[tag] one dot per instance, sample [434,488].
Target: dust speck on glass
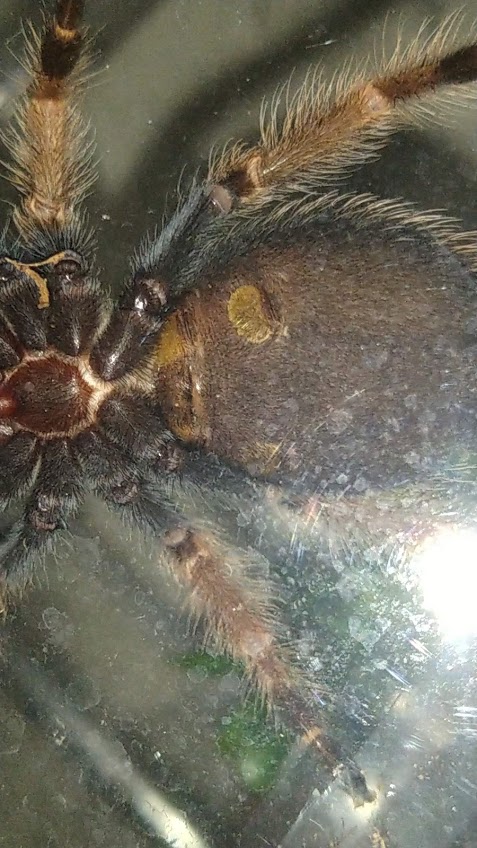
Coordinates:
[116,728]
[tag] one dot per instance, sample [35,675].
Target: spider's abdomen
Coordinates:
[332,358]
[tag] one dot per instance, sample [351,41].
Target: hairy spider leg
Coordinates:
[48,141]
[241,621]
[53,303]
[57,492]
[329,128]
[285,179]
[234,605]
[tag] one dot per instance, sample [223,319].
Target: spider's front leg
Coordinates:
[51,307]
[48,140]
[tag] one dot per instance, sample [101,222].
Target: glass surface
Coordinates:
[115,728]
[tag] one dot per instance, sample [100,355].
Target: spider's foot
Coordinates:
[355,783]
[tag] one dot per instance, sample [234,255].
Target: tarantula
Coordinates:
[272,335]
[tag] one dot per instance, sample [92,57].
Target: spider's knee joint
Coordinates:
[147,295]
[125,493]
[221,199]
[178,538]
[45,513]
[376,101]
[187,548]
[170,458]
[65,265]
[45,518]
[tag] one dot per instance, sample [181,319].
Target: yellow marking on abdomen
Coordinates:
[246,313]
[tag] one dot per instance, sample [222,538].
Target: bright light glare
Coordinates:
[446,565]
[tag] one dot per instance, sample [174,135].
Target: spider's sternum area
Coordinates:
[52,395]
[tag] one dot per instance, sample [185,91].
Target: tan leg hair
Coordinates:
[236,609]
[328,128]
[48,143]
[239,619]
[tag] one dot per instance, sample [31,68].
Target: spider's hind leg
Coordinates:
[227,590]
[240,620]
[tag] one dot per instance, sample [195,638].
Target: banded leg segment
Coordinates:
[328,128]
[48,142]
[240,621]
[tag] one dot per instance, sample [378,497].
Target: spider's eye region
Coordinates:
[126,492]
